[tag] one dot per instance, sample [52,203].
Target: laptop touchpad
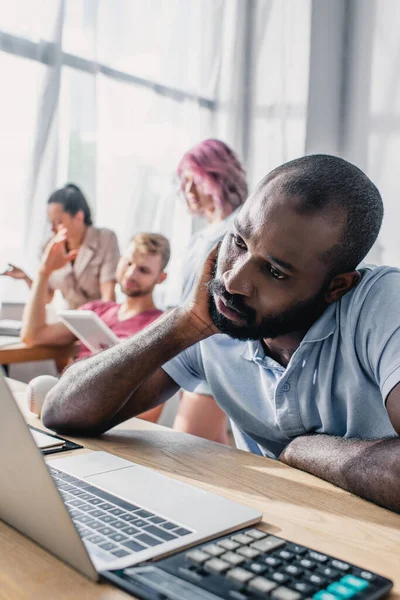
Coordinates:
[92,463]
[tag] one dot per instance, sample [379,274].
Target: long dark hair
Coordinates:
[72,200]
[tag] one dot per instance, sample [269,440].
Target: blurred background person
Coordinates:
[213,181]
[90,274]
[139,271]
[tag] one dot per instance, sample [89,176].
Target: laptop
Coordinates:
[97,511]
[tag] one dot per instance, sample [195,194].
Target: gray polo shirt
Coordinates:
[336,382]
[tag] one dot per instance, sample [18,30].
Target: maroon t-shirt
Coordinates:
[108,312]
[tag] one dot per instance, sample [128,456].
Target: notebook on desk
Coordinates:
[8,340]
[44,441]
[11,327]
[49,443]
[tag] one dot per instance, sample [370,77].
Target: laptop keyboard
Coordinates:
[250,565]
[116,527]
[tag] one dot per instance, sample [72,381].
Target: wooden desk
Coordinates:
[20,352]
[295,505]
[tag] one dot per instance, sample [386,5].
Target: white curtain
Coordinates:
[383,127]
[109,94]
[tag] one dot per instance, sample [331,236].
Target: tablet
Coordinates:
[89,329]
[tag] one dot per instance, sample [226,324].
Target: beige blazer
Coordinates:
[96,263]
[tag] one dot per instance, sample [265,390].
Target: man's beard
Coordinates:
[298,318]
[135,293]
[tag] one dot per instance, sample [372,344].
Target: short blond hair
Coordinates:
[153,243]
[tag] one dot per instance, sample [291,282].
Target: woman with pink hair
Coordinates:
[213,181]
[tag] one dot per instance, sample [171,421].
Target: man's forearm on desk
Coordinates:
[368,468]
[94,392]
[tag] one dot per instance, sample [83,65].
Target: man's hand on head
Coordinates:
[56,255]
[197,306]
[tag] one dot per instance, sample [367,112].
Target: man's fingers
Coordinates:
[211,261]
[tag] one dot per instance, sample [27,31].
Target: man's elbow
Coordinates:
[58,414]
[31,338]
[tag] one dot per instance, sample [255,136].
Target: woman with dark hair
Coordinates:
[213,181]
[91,253]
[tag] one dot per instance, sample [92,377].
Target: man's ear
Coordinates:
[341,284]
[163,277]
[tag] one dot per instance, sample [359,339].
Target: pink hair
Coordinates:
[217,171]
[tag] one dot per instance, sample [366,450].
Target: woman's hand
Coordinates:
[14,272]
[55,255]
[17,273]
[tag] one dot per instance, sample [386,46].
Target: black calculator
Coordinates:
[249,565]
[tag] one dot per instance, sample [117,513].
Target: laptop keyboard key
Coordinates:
[181,531]
[139,523]
[116,512]
[118,537]
[168,525]
[108,546]
[98,525]
[134,546]
[128,517]
[131,530]
[107,519]
[96,539]
[95,501]
[118,524]
[89,508]
[119,553]
[85,532]
[82,518]
[106,530]
[148,539]
[106,506]
[91,523]
[113,500]
[77,492]
[95,512]
[154,519]
[76,503]
[144,514]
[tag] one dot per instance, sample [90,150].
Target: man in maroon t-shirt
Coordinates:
[139,270]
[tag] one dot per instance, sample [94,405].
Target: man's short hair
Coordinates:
[153,243]
[324,182]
